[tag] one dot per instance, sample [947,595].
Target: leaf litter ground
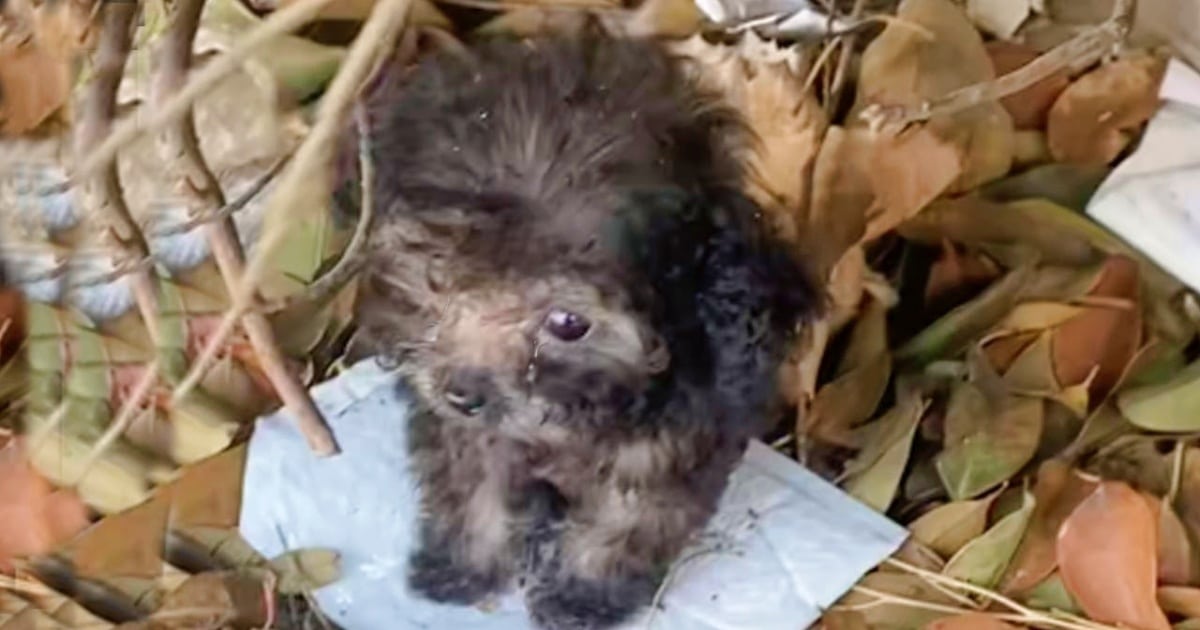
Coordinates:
[995,371]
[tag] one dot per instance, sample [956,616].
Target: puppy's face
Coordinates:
[536,354]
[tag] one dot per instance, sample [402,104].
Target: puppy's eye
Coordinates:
[566,325]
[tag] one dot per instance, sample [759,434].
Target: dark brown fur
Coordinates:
[586,175]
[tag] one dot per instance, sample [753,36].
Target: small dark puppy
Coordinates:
[585,308]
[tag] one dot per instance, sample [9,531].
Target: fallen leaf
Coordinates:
[125,544]
[1172,406]
[1029,107]
[34,516]
[930,50]
[1107,556]
[947,528]
[1057,490]
[875,474]
[879,614]
[954,272]
[306,570]
[971,621]
[1001,19]
[1175,564]
[216,599]
[209,492]
[1096,117]
[983,561]
[1180,600]
[859,383]
[985,443]
[1052,594]
[35,65]
[664,18]
[422,13]
[1075,348]
[1067,185]
[952,332]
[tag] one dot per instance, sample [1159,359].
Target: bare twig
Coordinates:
[230,208]
[101,189]
[386,20]
[1083,49]
[848,42]
[352,258]
[180,148]
[143,389]
[285,20]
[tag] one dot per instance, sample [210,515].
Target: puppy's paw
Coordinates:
[576,604]
[437,577]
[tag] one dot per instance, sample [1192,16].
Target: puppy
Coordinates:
[586,311]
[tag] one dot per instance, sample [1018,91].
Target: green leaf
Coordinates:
[1173,406]
[982,561]
[951,333]
[1052,594]
[986,444]
[305,570]
[876,472]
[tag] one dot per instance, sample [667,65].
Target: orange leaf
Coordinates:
[1095,118]
[1029,107]
[34,517]
[12,311]
[1057,492]
[971,621]
[1107,557]
[1105,338]
[1174,548]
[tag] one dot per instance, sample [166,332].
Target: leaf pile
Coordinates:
[993,370]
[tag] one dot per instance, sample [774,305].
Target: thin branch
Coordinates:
[287,19]
[1081,50]
[230,208]
[101,190]
[311,160]
[352,258]
[124,419]
[180,148]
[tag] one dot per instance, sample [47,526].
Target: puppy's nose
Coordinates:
[467,390]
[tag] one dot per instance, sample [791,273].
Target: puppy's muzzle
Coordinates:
[469,390]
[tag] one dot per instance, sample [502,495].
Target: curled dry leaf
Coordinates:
[34,516]
[1029,107]
[971,621]
[1096,117]
[929,51]
[947,528]
[1057,491]
[1107,556]
[983,561]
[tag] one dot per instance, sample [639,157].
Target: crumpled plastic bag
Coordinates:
[784,544]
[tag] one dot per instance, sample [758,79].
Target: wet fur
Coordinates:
[588,173]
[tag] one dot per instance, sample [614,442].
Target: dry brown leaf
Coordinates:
[12,321]
[125,544]
[218,599]
[954,272]
[36,55]
[858,385]
[947,528]
[1104,338]
[34,516]
[1180,600]
[897,615]
[971,621]
[1107,556]
[209,493]
[1096,117]
[1057,492]
[1029,107]
[931,50]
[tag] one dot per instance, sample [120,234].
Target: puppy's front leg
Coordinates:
[463,552]
[615,548]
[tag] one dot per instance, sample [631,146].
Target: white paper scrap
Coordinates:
[1152,199]
[784,545]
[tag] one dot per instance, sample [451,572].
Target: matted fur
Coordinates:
[589,175]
